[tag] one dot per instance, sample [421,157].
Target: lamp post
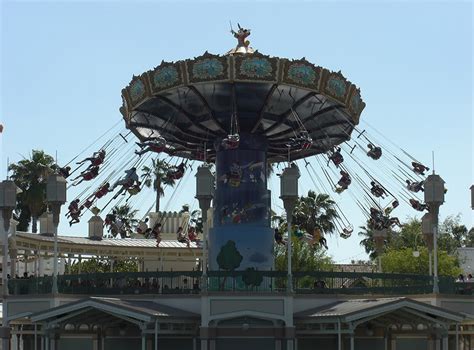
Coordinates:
[472,197]
[204,193]
[8,192]
[289,195]
[427,231]
[55,197]
[434,197]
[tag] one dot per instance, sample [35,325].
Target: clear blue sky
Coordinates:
[64,64]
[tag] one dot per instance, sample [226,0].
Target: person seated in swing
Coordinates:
[377,190]
[74,211]
[101,192]
[231,141]
[343,182]
[176,173]
[192,234]
[65,171]
[417,205]
[347,232]
[96,159]
[302,142]
[419,168]
[279,237]
[142,227]
[336,157]
[87,175]
[181,236]
[415,186]
[155,144]
[319,238]
[135,189]
[376,214]
[374,152]
[390,208]
[130,178]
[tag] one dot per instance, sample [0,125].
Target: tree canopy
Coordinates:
[30,176]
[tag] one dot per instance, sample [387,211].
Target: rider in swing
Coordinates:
[155,144]
[96,159]
[87,175]
[176,173]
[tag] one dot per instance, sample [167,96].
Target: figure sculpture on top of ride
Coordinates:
[241,36]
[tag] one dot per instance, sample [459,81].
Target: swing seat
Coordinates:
[306,145]
[133,190]
[230,143]
[158,149]
[175,175]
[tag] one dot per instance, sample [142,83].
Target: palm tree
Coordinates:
[368,241]
[128,217]
[30,176]
[315,211]
[156,176]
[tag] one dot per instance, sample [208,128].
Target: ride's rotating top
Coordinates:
[195,102]
[241,111]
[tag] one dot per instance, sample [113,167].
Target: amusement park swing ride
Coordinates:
[241,113]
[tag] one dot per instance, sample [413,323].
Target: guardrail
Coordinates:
[191,282]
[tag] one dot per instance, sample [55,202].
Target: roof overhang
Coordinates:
[135,311]
[363,310]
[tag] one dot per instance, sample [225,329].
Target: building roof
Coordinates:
[107,246]
[353,310]
[141,310]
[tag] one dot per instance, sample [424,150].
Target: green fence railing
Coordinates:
[192,282]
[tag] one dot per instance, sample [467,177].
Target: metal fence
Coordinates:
[192,282]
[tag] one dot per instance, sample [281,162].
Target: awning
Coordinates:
[96,308]
[384,310]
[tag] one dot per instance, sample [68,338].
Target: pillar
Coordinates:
[240,205]
[290,338]
[40,265]
[445,340]
[26,263]
[13,254]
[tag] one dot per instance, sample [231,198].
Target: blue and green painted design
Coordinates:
[302,74]
[165,77]
[137,90]
[208,68]
[256,68]
[336,86]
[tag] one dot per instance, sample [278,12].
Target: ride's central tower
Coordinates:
[242,111]
[241,206]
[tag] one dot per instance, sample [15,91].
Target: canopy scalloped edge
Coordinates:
[252,68]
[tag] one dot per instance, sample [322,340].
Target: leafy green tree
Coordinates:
[156,176]
[195,217]
[315,211]
[304,257]
[30,176]
[229,257]
[102,265]
[127,216]
[403,261]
